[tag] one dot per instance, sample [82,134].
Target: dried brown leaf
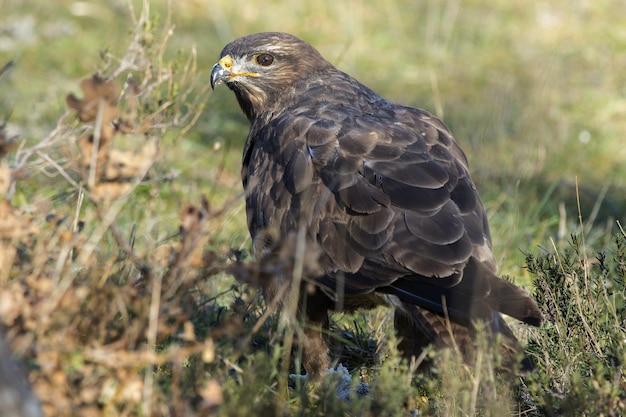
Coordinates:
[131,390]
[208,353]
[212,396]
[109,191]
[14,225]
[11,303]
[125,165]
[85,145]
[163,254]
[188,331]
[97,92]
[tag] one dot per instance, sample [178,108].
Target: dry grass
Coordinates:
[82,297]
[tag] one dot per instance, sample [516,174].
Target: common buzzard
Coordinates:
[383,190]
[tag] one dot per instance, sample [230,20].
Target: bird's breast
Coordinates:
[282,187]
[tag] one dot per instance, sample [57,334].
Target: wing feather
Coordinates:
[406,197]
[299,170]
[441,228]
[389,200]
[332,237]
[414,170]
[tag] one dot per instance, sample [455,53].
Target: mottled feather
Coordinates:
[383,189]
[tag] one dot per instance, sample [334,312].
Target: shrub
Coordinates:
[580,350]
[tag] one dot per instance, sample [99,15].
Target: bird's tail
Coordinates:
[417,328]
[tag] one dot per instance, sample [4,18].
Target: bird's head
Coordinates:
[262,69]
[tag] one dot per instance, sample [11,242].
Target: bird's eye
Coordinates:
[264,60]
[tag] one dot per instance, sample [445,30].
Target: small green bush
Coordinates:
[580,349]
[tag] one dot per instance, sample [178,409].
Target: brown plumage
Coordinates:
[383,191]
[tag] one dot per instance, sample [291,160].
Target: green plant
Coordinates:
[580,350]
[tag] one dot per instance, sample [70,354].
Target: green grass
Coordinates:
[534,93]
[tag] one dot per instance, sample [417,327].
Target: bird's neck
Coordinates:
[246,107]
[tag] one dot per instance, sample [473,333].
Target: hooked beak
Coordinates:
[221,71]
[225,71]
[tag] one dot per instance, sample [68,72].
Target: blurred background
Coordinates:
[534,91]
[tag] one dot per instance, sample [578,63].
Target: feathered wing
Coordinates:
[388,197]
[385,191]
[392,205]
[400,196]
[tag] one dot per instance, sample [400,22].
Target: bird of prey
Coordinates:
[381,189]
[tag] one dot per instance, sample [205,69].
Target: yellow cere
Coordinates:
[227,63]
